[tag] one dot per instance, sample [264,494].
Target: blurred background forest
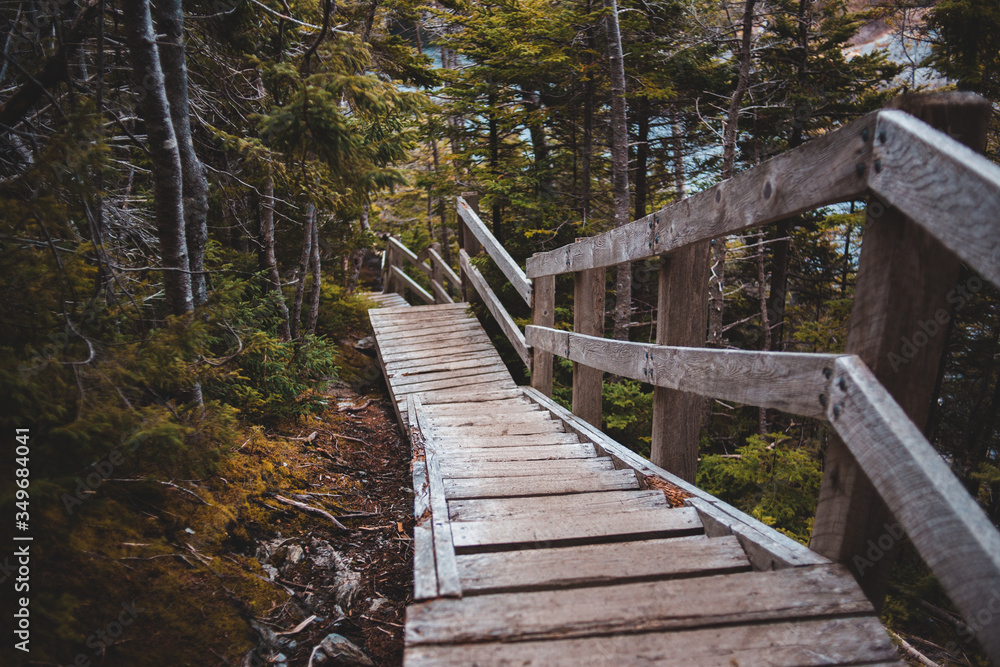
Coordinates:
[189,192]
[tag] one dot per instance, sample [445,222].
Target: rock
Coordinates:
[339,650]
[280,660]
[377,604]
[271,570]
[294,555]
[347,582]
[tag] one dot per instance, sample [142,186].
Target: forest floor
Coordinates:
[357,583]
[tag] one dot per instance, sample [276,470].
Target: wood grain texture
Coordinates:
[566,468]
[496,308]
[588,319]
[599,564]
[946,525]
[467,441]
[543,309]
[539,531]
[681,320]
[798,593]
[406,254]
[779,549]
[403,380]
[607,502]
[947,188]
[810,643]
[788,381]
[446,271]
[496,251]
[509,486]
[823,171]
[533,452]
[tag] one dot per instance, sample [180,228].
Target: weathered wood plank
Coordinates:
[510,486]
[448,396]
[525,453]
[424,330]
[401,380]
[947,188]
[411,284]
[607,502]
[781,550]
[789,381]
[451,362]
[588,319]
[474,418]
[543,310]
[440,293]
[445,353]
[472,336]
[446,270]
[496,308]
[797,593]
[540,531]
[599,564]
[499,379]
[506,405]
[444,548]
[506,442]
[823,171]
[425,585]
[811,643]
[946,525]
[567,467]
[496,251]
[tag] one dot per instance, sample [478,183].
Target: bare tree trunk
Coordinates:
[729,137]
[539,142]
[494,162]
[267,255]
[317,275]
[170,24]
[642,160]
[358,256]
[300,285]
[619,166]
[168,189]
[442,210]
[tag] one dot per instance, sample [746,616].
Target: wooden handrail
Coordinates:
[408,255]
[789,381]
[496,308]
[496,251]
[398,274]
[824,171]
[945,187]
[449,274]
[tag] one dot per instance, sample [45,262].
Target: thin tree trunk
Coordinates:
[317,285]
[270,263]
[642,159]
[494,161]
[168,189]
[442,209]
[729,137]
[586,150]
[539,142]
[170,24]
[300,285]
[619,166]
[358,256]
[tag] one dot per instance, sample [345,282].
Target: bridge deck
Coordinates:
[544,551]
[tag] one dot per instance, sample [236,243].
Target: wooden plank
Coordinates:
[440,293]
[496,308]
[836,641]
[588,319]
[946,525]
[410,283]
[949,189]
[820,172]
[467,242]
[607,502]
[543,308]
[681,316]
[400,380]
[496,251]
[566,467]
[542,532]
[424,330]
[499,422]
[789,381]
[433,353]
[539,485]
[425,584]
[396,316]
[452,362]
[509,441]
[407,254]
[507,405]
[422,324]
[532,427]
[523,453]
[748,597]
[443,396]
[499,379]
[444,549]
[444,336]
[592,564]
[781,550]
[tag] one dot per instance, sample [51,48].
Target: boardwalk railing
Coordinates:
[934,203]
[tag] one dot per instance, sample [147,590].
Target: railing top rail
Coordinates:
[506,263]
[947,188]
[408,254]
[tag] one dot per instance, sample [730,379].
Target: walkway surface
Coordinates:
[533,548]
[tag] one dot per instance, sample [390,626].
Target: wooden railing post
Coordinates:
[681,319]
[543,298]
[387,269]
[468,242]
[588,319]
[437,273]
[898,327]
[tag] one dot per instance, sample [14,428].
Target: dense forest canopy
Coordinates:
[189,191]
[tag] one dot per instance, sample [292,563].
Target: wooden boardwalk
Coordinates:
[541,542]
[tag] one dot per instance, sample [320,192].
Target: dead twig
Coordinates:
[352,408]
[310,508]
[170,484]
